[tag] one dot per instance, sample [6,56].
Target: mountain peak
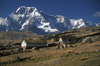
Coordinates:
[23,9]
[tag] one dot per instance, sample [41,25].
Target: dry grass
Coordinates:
[51,56]
[15,37]
[86,58]
[35,40]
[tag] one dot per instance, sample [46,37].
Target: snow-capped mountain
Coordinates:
[98,24]
[30,19]
[80,23]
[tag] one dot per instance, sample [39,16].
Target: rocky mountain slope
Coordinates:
[27,19]
[78,34]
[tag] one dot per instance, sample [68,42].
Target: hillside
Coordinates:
[11,37]
[77,53]
[15,37]
[80,33]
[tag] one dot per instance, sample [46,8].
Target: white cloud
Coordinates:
[3,21]
[14,16]
[96,14]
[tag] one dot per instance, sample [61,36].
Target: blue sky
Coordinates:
[88,10]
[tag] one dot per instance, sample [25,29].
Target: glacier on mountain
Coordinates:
[79,23]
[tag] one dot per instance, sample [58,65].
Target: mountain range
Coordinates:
[29,19]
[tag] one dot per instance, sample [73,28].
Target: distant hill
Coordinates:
[11,37]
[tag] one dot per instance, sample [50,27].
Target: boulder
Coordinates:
[35,49]
[88,40]
[74,45]
[97,38]
[61,46]
[69,45]
[97,50]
